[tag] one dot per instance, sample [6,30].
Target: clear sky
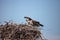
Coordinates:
[45,11]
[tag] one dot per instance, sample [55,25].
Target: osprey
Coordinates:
[32,22]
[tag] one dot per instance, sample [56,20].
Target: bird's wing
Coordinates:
[36,23]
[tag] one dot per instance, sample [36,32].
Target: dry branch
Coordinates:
[15,31]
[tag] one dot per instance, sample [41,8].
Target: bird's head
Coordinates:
[27,18]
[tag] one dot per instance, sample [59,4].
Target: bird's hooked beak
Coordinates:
[26,17]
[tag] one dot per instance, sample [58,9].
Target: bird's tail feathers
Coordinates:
[41,25]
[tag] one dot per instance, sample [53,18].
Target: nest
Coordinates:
[18,32]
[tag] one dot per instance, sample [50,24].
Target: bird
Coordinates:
[32,22]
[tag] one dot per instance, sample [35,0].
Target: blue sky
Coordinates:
[45,11]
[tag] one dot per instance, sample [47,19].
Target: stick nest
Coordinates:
[15,31]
